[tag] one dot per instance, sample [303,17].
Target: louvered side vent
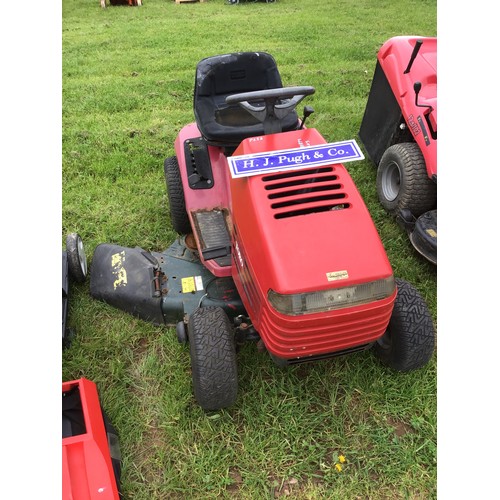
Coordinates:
[305,192]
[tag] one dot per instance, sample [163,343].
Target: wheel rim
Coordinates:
[82,257]
[391,181]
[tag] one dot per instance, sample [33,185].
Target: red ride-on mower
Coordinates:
[91,459]
[90,451]
[74,268]
[131,3]
[399,132]
[233,2]
[275,241]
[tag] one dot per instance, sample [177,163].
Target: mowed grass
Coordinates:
[128,76]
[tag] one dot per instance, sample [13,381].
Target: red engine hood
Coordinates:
[307,229]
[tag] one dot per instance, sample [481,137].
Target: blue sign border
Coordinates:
[293,159]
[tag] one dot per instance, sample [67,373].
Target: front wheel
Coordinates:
[77,260]
[408,342]
[402,180]
[213,358]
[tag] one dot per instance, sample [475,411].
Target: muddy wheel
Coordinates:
[175,191]
[213,358]
[408,342]
[77,260]
[402,180]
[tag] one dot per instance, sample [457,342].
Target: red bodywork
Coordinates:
[87,470]
[287,241]
[205,199]
[394,56]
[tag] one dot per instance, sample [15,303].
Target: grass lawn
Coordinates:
[127,84]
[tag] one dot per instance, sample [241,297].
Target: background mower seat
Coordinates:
[219,76]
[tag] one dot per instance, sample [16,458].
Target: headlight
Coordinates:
[335,298]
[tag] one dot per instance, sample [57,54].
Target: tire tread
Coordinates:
[213,358]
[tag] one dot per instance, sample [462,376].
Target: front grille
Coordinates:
[328,355]
[332,331]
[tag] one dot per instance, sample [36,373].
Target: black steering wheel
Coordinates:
[277,104]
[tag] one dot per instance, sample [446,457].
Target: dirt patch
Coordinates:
[235,476]
[400,428]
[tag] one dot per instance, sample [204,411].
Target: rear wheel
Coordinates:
[77,260]
[114,450]
[408,342]
[175,191]
[213,358]
[402,180]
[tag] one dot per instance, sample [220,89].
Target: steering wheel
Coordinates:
[278,103]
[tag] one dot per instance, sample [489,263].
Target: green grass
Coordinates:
[128,76]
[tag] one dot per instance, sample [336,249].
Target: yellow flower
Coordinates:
[341,459]
[338,467]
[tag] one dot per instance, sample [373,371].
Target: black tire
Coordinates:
[175,191]
[408,343]
[114,450]
[213,358]
[77,259]
[402,180]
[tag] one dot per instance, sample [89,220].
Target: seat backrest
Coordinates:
[239,72]
[223,75]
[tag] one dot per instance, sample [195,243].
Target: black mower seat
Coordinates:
[219,76]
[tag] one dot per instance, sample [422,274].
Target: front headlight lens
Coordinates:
[334,298]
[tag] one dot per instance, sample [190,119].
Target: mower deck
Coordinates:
[163,288]
[424,236]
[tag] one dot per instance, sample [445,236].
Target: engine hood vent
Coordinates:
[305,192]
